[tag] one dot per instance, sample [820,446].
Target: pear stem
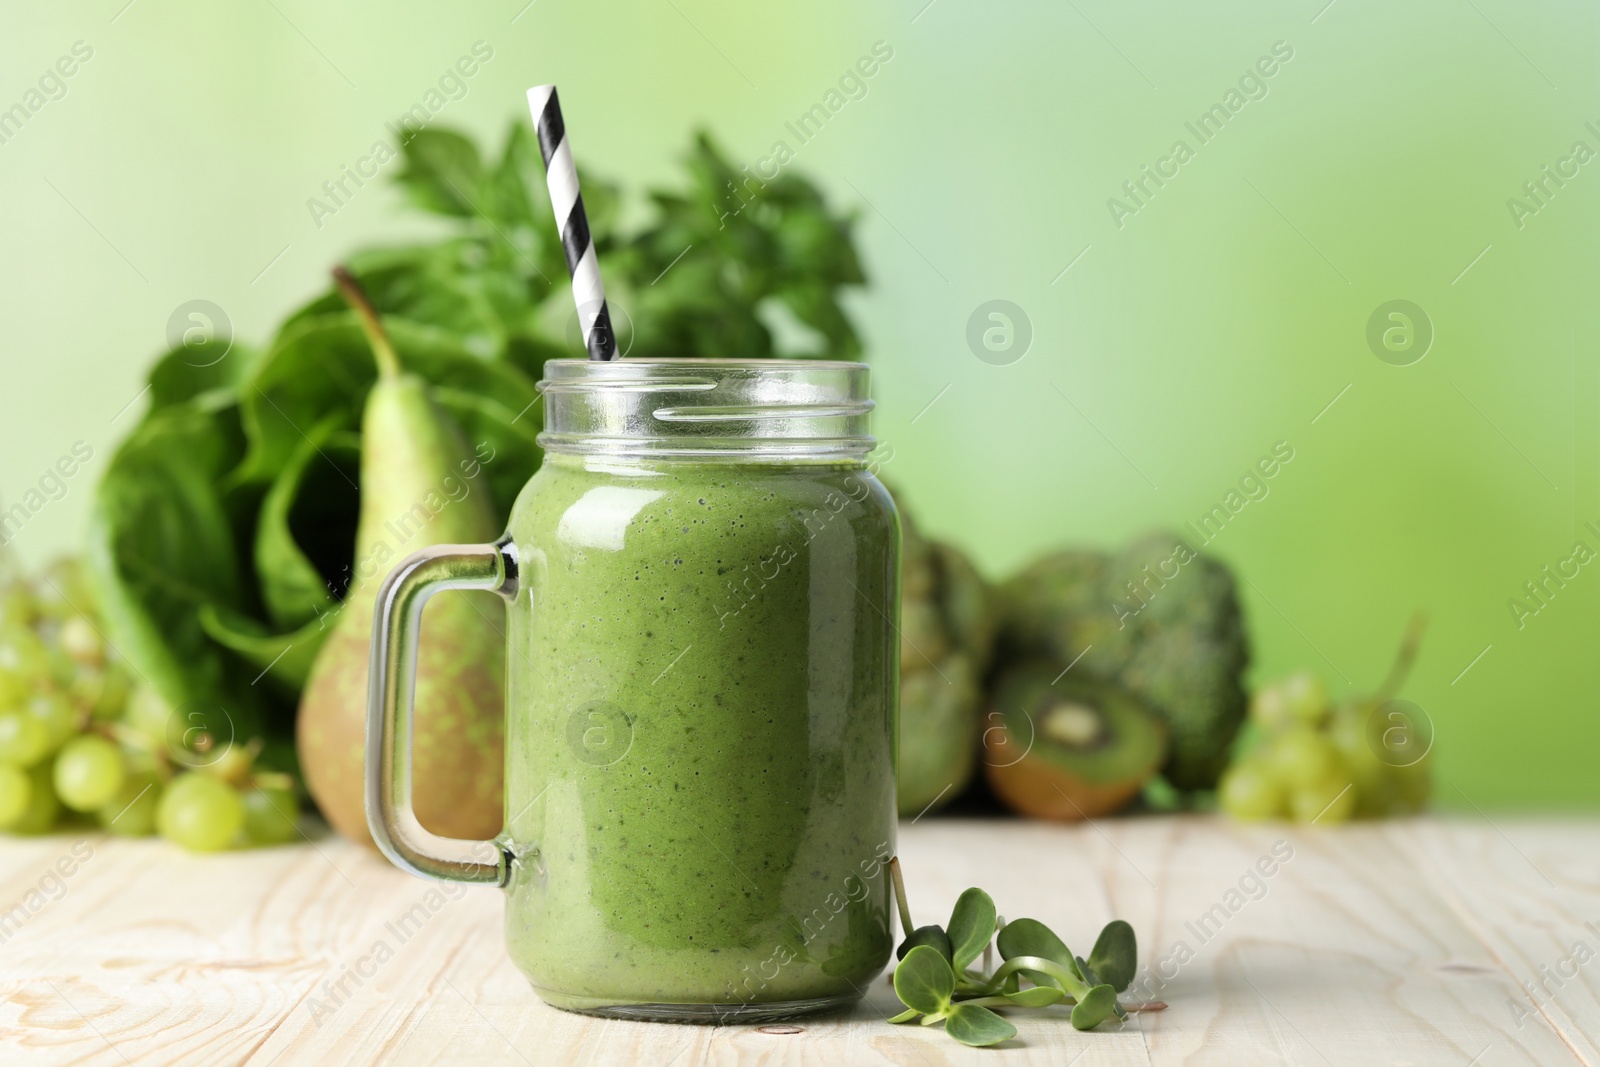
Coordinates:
[382,350]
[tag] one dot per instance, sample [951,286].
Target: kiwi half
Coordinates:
[1059,747]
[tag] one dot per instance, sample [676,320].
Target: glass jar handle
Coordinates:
[391,690]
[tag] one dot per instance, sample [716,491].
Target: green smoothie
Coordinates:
[701,734]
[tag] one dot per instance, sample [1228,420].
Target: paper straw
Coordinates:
[587,291]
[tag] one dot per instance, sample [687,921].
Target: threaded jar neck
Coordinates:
[730,408]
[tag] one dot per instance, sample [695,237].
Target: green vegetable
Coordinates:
[972,924]
[162,544]
[728,267]
[924,981]
[937,985]
[933,937]
[1030,937]
[1159,619]
[1115,955]
[223,531]
[973,1024]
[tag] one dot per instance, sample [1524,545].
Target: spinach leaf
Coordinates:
[316,368]
[161,546]
[320,366]
[208,372]
[307,524]
[283,659]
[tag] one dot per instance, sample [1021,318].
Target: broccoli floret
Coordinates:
[1159,618]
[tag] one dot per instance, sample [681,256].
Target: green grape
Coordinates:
[82,641]
[14,687]
[23,653]
[147,713]
[232,764]
[56,713]
[1298,700]
[1327,800]
[1384,788]
[269,815]
[1269,707]
[1249,791]
[1410,787]
[63,668]
[16,788]
[132,812]
[199,812]
[1300,755]
[112,696]
[1348,732]
[43,807]
[86,685]
[1305,698]
[89,772]
[24,740]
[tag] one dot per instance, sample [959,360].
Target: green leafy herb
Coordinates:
[935,982]
[973,1024]
[1033,997]
[924,981]
[1030,937]
[1115,955]
[1093,1007]
[932,936]
[971,926]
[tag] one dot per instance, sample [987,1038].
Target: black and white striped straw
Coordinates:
[562,176]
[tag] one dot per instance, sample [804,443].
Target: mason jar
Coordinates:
[703,589]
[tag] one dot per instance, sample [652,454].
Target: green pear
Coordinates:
[414,463]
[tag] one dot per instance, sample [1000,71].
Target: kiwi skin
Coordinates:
[1079,783]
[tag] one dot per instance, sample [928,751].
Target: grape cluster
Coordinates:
[1365,758]
[84,739]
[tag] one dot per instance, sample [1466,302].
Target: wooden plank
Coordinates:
[1402,942]
[1343,955]
[1528,891]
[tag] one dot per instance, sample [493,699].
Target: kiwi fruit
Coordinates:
[1068,748]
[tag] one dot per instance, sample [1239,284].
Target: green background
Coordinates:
[1221,318]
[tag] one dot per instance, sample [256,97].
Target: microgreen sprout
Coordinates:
[936,981]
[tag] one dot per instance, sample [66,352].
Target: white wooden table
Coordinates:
[1403,943]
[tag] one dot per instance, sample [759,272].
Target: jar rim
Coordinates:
[605,365]
[691,406]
